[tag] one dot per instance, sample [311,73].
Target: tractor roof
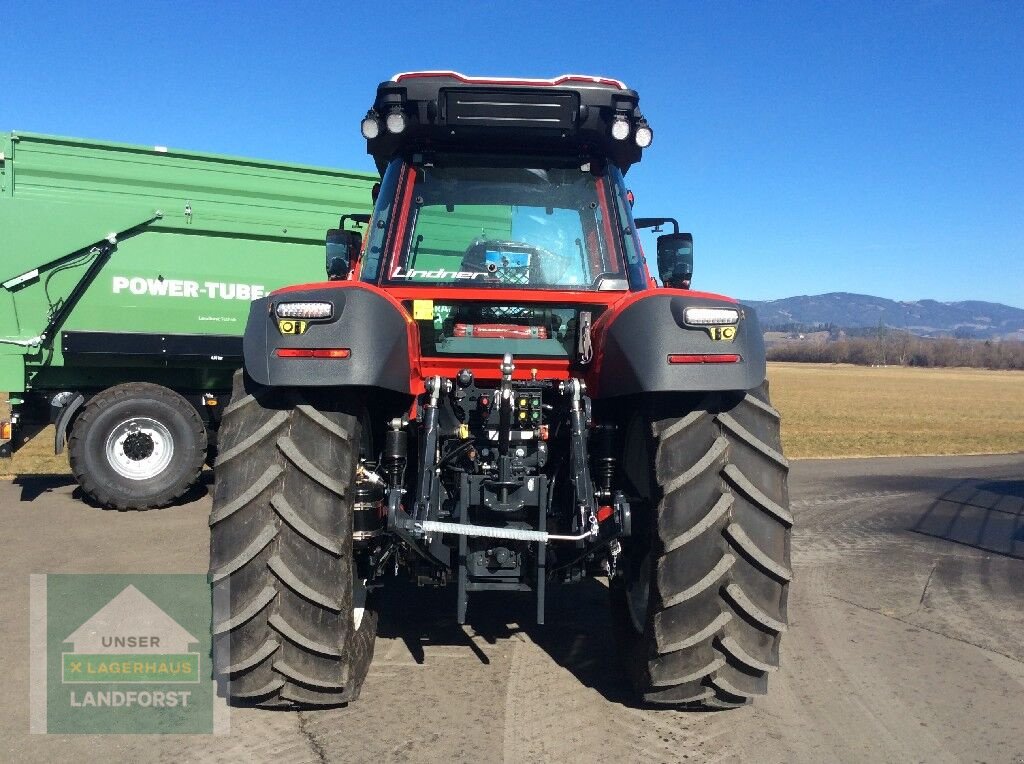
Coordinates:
[446,111]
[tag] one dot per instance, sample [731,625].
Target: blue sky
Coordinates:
[871,147]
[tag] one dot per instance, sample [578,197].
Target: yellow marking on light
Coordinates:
[288,326]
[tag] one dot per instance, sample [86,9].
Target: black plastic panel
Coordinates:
[364,322]
[641,338]
[510,107]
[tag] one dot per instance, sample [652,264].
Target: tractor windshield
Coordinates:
[545,227]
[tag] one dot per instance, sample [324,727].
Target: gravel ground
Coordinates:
[906,641]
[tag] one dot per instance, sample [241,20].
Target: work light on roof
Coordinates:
[644,135]
[620,128]
[370,126]
[396,120]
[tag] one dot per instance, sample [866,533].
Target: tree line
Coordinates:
[898,348]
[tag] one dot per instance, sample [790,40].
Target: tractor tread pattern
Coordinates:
[247,496]
[249,611]
[720,553]
[257,545]
[289,632]
[296,584]
[281,552]
[300,526]
[253,439]
[300,460]
[269,648]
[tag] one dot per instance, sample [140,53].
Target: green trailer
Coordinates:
[126,274]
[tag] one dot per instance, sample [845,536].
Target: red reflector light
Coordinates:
[604,512]
[313,352]
[703,358]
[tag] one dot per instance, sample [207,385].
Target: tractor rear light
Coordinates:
[620,128]
[711,316]
[704,358]
[396,121]
[313,352]
[6,431]
[604,512]
[307,310]
[370,126]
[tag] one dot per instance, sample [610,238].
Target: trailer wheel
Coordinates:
[137,446]
[294,625]
[700,605]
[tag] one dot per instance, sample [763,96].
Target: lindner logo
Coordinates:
[122,654]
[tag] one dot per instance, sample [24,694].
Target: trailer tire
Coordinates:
[289,627]
[700,605]
[137,446]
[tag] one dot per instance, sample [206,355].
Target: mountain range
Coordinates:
[926,318]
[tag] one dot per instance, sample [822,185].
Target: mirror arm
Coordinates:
[656,223]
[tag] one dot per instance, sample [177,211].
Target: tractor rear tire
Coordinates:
[700,605]
[293,623]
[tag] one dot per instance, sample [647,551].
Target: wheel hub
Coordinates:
[139,448]
[138,445]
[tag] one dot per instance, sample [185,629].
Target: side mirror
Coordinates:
[342,250]
[675,259]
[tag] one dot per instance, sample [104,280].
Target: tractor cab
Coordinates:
[504,184]
[502,212]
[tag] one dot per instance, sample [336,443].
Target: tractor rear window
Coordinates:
[508,227]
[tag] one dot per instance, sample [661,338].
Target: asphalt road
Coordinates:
[906,641]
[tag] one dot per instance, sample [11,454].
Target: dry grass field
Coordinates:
[831,410]
[37,458]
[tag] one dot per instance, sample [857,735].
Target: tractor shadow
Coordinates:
[980,512]
[984,514]
[578,634]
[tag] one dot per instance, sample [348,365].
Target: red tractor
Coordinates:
[493,392]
